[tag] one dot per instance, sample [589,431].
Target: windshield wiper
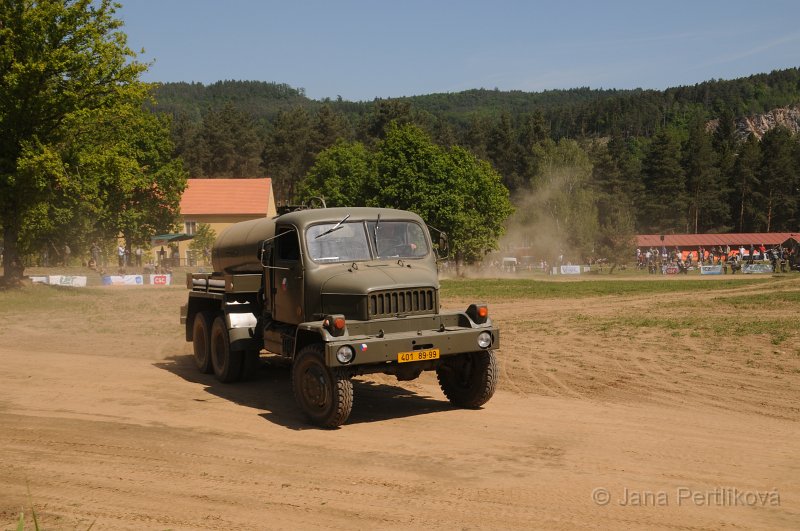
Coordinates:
[375,231]
[332,229]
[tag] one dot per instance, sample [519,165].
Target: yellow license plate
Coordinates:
[418,355]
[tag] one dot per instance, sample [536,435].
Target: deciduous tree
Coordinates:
[60,61]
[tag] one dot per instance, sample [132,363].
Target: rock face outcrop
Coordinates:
[759,124]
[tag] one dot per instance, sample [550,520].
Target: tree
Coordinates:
[287,154]
[504,151]
[707,190]
[343,175]
[614,208]
[59,61]
[779,180]
[231,143]
[558,211]
[204,238]
[329,127]
[746,182]
[129,155]
[664,208]
[451,190]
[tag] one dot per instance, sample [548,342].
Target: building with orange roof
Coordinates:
[220,203]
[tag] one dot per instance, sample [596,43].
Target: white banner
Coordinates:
[160,280]
[40,280]
[123,280]
[756,268]
[570,270]
[66,280]
[711,270]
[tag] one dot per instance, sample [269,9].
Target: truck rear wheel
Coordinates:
[201,341]
[469,380]
[227,363]
[324,395]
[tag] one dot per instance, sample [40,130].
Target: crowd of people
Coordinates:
[660,261]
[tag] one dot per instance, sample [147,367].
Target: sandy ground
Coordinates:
[598,423]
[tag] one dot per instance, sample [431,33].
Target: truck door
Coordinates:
[287,277]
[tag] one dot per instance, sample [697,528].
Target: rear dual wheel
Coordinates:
[227,363]
[201,341]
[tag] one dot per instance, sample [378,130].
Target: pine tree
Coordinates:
[779,180]
[746,183]
[664,209]
[708,208]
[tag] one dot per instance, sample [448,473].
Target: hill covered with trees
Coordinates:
[672,161]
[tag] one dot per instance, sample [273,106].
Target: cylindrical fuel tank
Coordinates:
[237,248]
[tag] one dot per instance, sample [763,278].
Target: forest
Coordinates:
[587,162]
[90,153]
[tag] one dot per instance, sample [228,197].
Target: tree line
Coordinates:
[88,152]
[651,157]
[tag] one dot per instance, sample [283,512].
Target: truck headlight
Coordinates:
[345,354]
[484,339]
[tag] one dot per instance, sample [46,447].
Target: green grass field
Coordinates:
[500,289]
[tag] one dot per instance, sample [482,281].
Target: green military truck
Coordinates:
[340,292]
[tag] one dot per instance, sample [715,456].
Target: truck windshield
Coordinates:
[348,243]
[398,239]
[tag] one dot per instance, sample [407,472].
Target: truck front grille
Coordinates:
[405,301]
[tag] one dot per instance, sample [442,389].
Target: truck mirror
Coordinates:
[443,243]
[264,253]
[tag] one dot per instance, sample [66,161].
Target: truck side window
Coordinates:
[288,246]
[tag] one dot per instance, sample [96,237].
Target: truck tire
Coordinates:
[469,380]
[227,363]
[324,395]
[201,341]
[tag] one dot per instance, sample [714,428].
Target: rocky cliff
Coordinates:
[759,124]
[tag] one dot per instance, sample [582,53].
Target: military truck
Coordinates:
[340,292]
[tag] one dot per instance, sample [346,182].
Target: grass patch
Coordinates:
[778,299]
[40,298]
[778,330]
[499,289]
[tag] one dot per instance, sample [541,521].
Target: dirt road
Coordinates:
[598,423]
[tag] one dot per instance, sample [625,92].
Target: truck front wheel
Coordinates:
[201,342]
[227,363]
[469,380]
[324,395]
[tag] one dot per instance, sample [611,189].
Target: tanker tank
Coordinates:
[236,250]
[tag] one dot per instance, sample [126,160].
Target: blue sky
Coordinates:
[361,50]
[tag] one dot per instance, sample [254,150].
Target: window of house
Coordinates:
[190,227]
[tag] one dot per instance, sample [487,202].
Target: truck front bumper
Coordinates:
[386,348]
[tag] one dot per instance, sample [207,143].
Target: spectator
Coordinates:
[138,253]
[67,252]
[121,255]
[95,250]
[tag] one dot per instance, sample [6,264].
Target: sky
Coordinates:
[361,50]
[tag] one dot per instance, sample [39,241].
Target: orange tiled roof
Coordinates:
[705,240]
[226,196]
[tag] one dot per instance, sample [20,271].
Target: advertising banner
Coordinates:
[123,280]
[570,270]
[670,270]
[757,268]
[711,270]
[66,280]
[160,280]
[40,280]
